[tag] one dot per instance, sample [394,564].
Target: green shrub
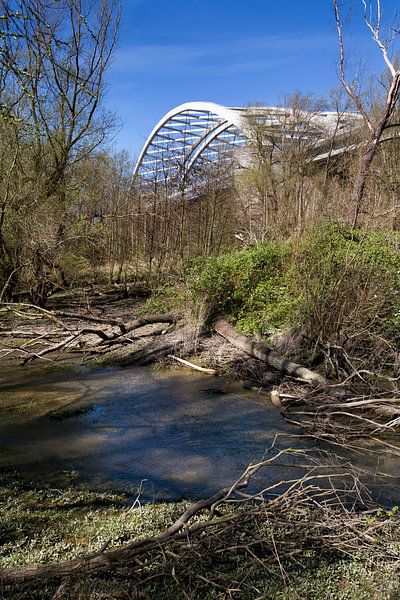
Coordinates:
[247,285]
[348,285]
[164,299]
[339,287]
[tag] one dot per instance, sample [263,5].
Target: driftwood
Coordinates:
[275,399]
[348,412]
[272,358]
[149,320]
[81,336]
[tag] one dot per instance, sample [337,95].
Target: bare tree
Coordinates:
[53,60]
[281,175]
[375,123]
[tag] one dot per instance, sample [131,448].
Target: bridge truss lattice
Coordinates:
[202,133]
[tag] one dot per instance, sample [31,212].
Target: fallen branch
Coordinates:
[115,334]
[192,366]
[272,358]
[68,340]
[93,563]
[12,307]
[89,318]
[20,333]
[289,502]
[370,402]
[340,414]
[149,320]
[146,356]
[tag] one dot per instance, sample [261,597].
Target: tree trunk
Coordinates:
[361,181]
[267,355]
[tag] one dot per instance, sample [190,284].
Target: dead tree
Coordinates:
[270,357]
[375,125]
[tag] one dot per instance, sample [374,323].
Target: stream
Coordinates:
[176,435]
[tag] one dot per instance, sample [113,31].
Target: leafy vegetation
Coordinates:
[348,285]
[336,285]
[70,217]
[249,285]
[31,529]
[40,524]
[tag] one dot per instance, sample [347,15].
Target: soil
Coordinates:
[147,344]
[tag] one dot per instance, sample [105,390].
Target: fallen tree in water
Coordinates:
[272,358]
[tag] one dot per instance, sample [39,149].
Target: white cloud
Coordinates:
[230,56]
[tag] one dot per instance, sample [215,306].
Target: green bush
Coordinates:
[339,287]
[348,286]
[249,286]
[164,299]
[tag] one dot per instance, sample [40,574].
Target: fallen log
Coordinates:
[149,320]
[272,358]
[68,340]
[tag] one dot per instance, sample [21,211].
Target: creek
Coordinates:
[181,435]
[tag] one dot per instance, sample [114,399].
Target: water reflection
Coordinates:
[182,436]
[187,436]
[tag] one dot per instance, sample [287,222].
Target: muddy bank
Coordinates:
[116,332]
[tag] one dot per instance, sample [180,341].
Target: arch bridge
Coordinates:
[203,133]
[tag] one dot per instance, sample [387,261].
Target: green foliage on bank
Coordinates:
[335,284]
[348,284]
[248,285]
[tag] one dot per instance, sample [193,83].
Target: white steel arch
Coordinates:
[183,135]
[207,131]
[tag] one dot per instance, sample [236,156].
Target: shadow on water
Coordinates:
[181,436]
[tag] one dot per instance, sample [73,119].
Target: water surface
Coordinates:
[180,435]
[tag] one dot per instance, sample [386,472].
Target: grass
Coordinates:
[42,524]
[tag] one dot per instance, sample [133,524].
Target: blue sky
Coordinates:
[231,52]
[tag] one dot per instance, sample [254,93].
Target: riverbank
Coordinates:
[285,551]
[299,545]
[290,547]
[116,333]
